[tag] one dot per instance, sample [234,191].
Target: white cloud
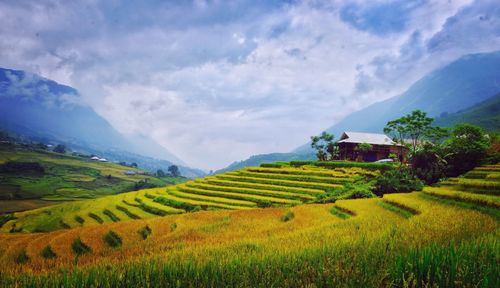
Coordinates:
[217,82]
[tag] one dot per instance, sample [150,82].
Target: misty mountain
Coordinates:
[459,85]
[43,110]
[456,86]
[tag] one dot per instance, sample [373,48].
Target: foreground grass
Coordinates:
[440,246]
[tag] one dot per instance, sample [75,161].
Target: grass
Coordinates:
[396,209]
[339,213]
[441,246]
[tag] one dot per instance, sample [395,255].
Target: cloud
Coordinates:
[217,81]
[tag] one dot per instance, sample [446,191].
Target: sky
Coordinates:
[218,81]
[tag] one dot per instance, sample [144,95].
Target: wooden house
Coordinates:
[381,147]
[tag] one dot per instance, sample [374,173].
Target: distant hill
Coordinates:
[485,114]
[31,178]
[256,160]
[454,87]
[45,111]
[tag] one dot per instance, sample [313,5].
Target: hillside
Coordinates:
[379,242]
[454,87]
[256,160]
[240,190]
[45,111]
[485,114]
[33,178]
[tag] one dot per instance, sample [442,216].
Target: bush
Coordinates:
[398,180]
[111,216]
[23,257]
[145,232]
[177,204]
[428,165]
[79,219]
[113,239]
[80,248]
[96,218]
[271,165]
[6,218]
[287,216]
[264,203]
[48,253]
[466,149]
[173,226]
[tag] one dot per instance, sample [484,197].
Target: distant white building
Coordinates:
[95,158]
[103,160]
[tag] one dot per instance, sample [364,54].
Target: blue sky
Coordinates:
[217,81]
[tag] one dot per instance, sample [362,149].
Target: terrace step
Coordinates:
[288,183]
[249,191]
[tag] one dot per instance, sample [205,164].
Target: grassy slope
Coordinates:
[65,178]
[371,248]
[244,189]
[414,239]
[485,114]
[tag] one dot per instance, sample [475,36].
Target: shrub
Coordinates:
[111,216]
[287,216]
[79,219]
[264,203]
[399,180]
[177,204]
[127,212]
[6,218]
[48,253]
[271,165]
[173,226]
[96,218]
[80,248]
[113,239]
[466,149]
[428,165]
[145,232]
[23,257]
[153,210]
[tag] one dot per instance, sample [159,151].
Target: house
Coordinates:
[95,158]
[381,147]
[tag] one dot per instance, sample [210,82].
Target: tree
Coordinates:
[324,146]
[414,127]
[174,170]
[428,163]
[467,148]
[60,149]
[134,165]
[160,173]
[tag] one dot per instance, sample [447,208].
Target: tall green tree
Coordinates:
[466,148]
[326,148]
[414,128]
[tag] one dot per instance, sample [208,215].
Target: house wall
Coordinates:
[349,151]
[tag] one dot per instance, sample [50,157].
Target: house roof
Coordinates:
[370,138]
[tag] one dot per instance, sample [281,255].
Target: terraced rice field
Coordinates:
[480,186]
[215,238]
[433,238]
[244,189]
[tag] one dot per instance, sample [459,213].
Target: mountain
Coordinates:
[457,86]
[43,110]
[454,87]
[485,114]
